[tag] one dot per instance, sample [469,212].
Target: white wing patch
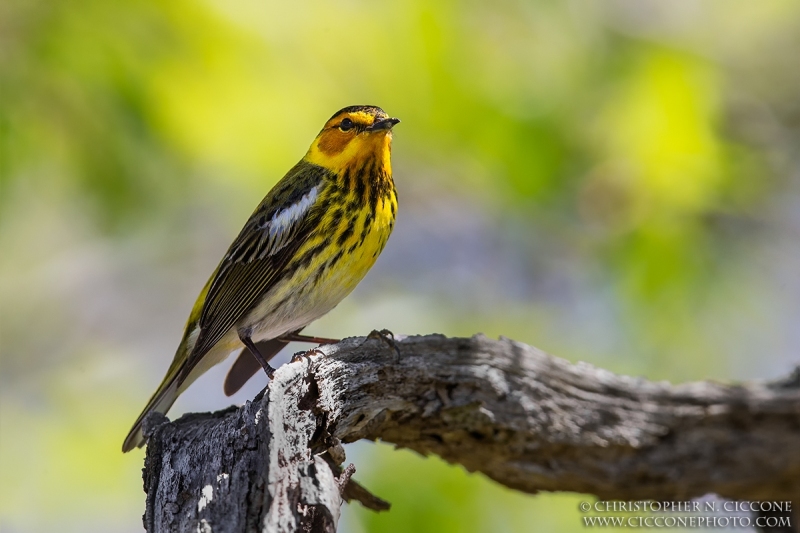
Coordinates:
[278,229]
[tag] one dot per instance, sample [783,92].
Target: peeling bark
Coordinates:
[528,420]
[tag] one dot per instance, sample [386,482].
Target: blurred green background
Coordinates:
[616,182]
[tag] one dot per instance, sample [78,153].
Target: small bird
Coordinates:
[305,247]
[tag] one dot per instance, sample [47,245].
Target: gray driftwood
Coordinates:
[523,418]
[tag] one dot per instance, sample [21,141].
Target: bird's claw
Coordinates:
[306,354]
[387,337]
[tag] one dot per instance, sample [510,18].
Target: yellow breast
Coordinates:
[359,240]
[349,244]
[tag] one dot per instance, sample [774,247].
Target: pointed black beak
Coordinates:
[385,124]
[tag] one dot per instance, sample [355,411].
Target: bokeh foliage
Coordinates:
[614,182]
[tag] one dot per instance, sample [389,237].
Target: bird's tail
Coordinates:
[178,376]
[165,394]
[162,400]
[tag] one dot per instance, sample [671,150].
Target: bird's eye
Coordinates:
[346,125]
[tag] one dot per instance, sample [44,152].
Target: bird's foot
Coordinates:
[387,337]
[306,354]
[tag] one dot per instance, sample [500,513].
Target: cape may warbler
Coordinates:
[306,246]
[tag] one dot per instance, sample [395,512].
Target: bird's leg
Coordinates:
[247,341]
[296,337]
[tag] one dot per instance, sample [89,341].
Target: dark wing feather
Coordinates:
[257,258]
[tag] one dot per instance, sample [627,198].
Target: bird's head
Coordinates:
[352,137]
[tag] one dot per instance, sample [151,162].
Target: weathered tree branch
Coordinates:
[525,419]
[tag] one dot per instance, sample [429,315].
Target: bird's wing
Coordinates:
[258,257]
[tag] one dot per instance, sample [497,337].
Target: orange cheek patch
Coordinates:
[333,142]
